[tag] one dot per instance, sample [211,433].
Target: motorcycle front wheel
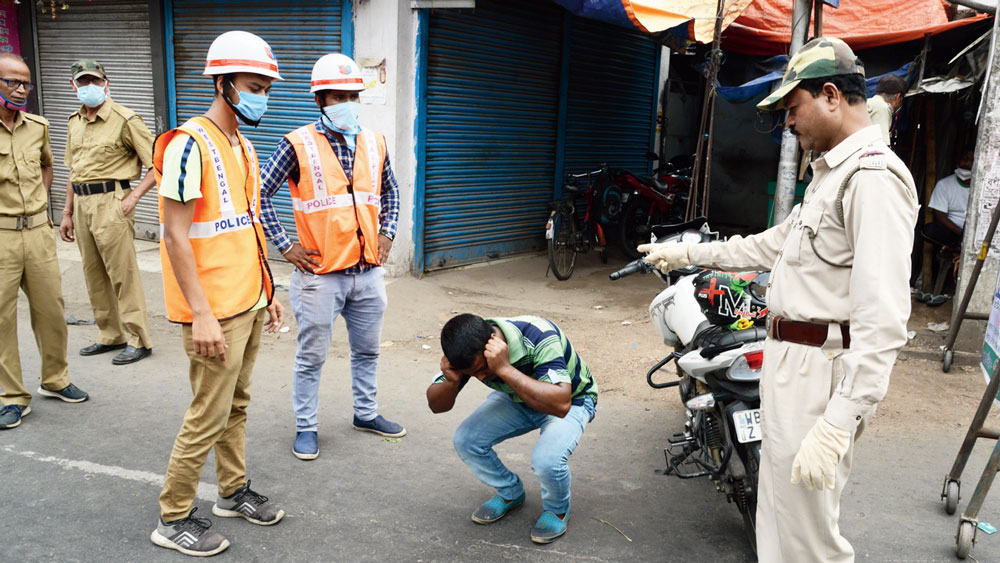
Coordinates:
[635,226]
[562,252]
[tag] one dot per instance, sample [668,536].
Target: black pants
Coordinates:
[939,234]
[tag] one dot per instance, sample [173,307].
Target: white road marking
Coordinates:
[206,491]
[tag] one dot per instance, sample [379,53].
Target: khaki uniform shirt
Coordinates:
[23,152]
[875,237]
[114,146]
[881,114]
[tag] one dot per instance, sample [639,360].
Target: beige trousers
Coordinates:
[216,418]
[794,524]
[28,261]
[106,238]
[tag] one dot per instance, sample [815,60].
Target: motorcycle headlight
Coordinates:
[701,402]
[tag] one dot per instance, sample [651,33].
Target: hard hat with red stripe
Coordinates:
[336,72]
[241,51]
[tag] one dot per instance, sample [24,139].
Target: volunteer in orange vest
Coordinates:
[217,285]
[346,205]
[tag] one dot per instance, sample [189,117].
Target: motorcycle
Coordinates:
[651,200]
[716,323]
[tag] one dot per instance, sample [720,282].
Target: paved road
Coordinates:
[80,482]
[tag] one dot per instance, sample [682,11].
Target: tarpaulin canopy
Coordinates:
[690,20]
[764,28]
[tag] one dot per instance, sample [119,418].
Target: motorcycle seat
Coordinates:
[716,340]
[654,183]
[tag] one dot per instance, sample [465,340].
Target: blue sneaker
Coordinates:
[11,415]
[306,445]
[549,527]
[71,394]
[380,426]
[495,509]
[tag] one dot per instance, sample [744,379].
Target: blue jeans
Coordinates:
[317,300]
[500,418]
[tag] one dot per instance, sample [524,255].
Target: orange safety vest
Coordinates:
[332,215]
[226,234]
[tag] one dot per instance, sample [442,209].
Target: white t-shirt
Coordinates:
[952,198]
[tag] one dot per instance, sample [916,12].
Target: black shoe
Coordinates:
[131,354]
[96,348]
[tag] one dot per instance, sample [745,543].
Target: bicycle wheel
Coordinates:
[636,221]
[562,253]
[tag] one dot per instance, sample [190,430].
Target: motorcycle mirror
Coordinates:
[652,156]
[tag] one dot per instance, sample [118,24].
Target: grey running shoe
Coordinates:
[71,394]
[190,536]
[245,503]
[11,415]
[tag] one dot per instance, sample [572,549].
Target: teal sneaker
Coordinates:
[549,527]
[495,509]
[11,415]
[71,394]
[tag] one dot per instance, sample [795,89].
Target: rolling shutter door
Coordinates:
[298,32]
[492,109]
[612,91]
[116,33]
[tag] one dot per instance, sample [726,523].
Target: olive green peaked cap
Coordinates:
[819,58]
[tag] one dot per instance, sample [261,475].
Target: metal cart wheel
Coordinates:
[951,497]
[949,355]
[966,534]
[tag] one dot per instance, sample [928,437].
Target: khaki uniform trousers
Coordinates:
[28,261]
[794,524]
[216,418]
[106,238]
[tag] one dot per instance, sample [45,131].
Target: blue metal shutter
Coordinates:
[612,91]
[298,32]
[492,105]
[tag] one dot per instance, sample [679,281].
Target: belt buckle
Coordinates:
[21,223]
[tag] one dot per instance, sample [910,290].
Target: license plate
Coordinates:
[548,230]
[747,425]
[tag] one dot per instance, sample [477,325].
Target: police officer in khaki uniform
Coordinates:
[28,249]
[838,298]
[107,145]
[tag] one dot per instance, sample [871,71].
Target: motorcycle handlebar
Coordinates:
[632,267]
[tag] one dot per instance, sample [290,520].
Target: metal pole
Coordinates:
[788,163]
[988,6]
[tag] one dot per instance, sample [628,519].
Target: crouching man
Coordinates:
[540,383]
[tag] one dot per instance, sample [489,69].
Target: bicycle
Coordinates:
[568,235]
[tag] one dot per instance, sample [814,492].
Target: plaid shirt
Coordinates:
[284,164]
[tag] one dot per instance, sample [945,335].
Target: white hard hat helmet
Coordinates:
[336,72]
[241,51]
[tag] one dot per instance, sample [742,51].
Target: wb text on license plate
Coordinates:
[747,425]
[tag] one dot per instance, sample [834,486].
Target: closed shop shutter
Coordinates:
[611,97]
[298,32]
[492,120]
[491,125]
[116,33]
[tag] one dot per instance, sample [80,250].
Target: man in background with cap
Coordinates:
[838,299]
[28,249]
[107,145]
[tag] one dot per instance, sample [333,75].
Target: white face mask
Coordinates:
[963,174]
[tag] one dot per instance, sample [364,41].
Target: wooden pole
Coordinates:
[704,150]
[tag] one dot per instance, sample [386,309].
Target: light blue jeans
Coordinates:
[500,418]
[317,300]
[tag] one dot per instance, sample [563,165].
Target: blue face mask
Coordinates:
[91,95]
[251,107]
[343,118]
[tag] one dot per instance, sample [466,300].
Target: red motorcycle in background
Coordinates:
[652,200]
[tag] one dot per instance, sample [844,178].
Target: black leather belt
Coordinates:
[801,332]
[100,187]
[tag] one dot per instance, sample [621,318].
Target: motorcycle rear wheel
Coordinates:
[749,503]
[562,253]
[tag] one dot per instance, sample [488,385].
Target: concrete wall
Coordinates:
[387,30]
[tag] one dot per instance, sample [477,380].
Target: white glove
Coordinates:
[666,255]
[819,454]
